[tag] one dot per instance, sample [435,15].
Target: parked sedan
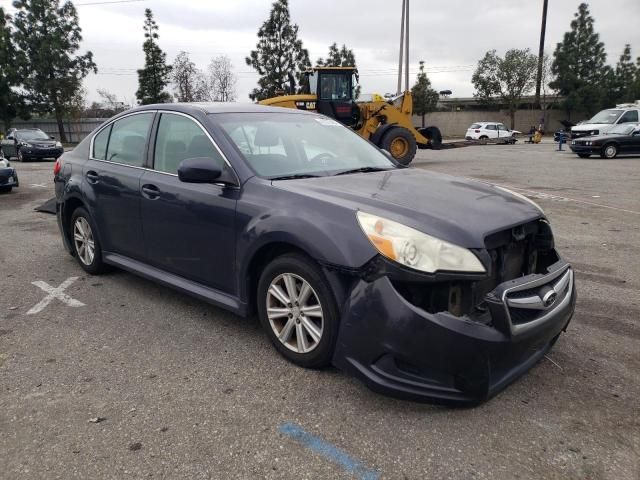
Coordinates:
[30,143]
[622,139]
[8,176]
[423,285]
[491,130]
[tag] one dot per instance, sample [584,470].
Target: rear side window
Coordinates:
[128,139]
[100,144]
[475,125]
[490,127]
[179,138]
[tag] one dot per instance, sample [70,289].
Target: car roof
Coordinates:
[218,107]
[486,123]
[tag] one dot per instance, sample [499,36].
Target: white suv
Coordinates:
[605,120]
[487,130]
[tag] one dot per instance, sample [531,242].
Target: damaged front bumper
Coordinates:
[398,348]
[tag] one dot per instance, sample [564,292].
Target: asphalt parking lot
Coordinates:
[177,388]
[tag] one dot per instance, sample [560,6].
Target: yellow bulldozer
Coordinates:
[385,122]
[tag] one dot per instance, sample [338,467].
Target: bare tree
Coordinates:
[222,80]
[110,100]
[189,82]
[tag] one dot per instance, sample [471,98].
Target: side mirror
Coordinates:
[199,170]
[52,137]
[10,137]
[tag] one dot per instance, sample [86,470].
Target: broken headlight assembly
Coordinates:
[414,249]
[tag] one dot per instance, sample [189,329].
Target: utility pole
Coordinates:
[402,22]
[404,48]
[543,29]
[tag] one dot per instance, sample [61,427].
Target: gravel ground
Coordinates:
[177,388]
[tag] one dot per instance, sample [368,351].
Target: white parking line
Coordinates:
[544,195]
[57,292]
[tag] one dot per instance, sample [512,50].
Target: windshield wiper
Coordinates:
[363,170]
[295,176]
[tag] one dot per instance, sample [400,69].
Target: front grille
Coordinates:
[575,135]
[533,302]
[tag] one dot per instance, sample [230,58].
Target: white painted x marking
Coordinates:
[57,292]
[41,185]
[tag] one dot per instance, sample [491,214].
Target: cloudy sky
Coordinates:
[449,35]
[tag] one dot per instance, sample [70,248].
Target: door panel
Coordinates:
[112,183]
[189,229]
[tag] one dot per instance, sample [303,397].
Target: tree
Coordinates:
[47,36]
[339,57]
[579,65]
[154,77]
[425,98]
[9,99]
[278,53]
[189,81]
[507,78]
[625,77]
[222,80]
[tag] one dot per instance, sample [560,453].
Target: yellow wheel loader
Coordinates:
[385,122]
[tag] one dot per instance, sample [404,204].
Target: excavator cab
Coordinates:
[335,90]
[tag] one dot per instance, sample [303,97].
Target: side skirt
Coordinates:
[176,282]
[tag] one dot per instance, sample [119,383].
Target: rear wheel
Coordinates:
[21,157]
[298,311]
[86,246]
[401,143]
[584,155]
[610,151]
[483,139]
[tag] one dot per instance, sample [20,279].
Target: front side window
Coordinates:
[284,144]
[128,139]
[501,127]
[180,138]
[629,117]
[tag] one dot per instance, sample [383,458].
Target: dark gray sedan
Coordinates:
[30,143]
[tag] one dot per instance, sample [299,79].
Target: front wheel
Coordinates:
[86,246]
[298,311]
[401,143]
[584,155]
[21,157]
[5,189]
[610,151]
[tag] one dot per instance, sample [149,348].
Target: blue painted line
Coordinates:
[328,451]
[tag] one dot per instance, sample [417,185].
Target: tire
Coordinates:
[402,142]
[290,323]
[6,189]
[584,155]
[483,139]
[20,157]
[90,264]
[610,151]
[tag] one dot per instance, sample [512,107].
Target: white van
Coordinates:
[605,120]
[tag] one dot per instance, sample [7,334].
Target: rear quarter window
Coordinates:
[476,125]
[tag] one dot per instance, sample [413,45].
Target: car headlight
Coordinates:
[415,249]
[25,144]
[521,197]
[58,145]
[595,132]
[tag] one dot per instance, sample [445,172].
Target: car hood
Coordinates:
[455,209]
[586,127]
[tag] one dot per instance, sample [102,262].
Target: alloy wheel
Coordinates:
[83,240]
[294,313]
[610,151]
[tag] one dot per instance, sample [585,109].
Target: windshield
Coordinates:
[622,130]
[285,144]
[32,135]
[605,116]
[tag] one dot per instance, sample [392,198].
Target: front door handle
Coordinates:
[150,191]
[92,177]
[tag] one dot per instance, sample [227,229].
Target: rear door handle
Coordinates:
[150,191]
[92,177]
